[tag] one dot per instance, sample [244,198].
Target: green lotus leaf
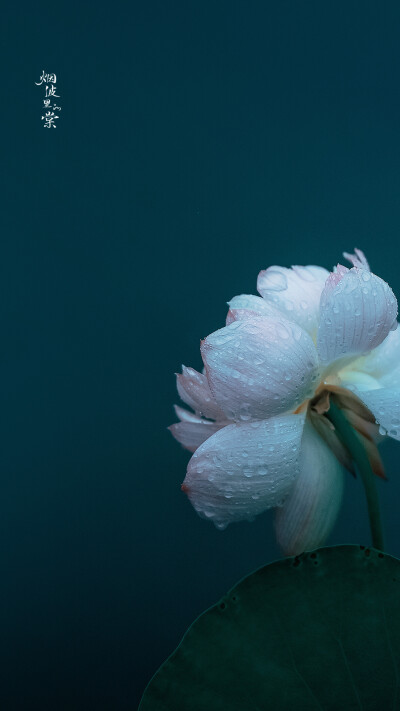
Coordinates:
[318,631]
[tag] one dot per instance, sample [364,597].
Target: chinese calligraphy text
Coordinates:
[49,82]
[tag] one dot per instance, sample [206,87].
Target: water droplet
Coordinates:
[282,331]
[244,416]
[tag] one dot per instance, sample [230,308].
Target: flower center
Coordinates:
[357,414]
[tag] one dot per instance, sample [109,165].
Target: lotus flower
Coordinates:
[259,428]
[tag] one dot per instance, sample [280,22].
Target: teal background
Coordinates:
[197,144]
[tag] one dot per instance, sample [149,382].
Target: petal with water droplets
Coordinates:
[192,434]
[244,469]
[383,360]
[356,314]
[295,292]
[259,367]
[194,390]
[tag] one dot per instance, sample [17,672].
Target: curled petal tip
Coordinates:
[358,259]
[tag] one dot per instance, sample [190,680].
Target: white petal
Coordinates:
[392,379]
[385,406]
[249,305]
[194,390]
[192,434]
[244,469]
[310,511]
[384,359]
[354,379]
[295,292]
[259,367]
[356,314]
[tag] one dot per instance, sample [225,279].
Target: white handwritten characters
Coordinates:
[49,81]
[47,105]
[46,79]
[51,91]
[49,119]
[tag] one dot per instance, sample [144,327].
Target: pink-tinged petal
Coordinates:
[240,315]
[368,429]
[186,415]
[384,359]
[244,469]
[249,305]
[259,367]
[385,406]
[310,511]
[194,390]
[295,292]
[357,311]
[192,434]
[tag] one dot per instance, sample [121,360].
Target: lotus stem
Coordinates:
[353,443]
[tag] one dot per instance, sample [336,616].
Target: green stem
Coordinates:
[353,443]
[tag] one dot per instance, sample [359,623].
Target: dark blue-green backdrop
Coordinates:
[198,143]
